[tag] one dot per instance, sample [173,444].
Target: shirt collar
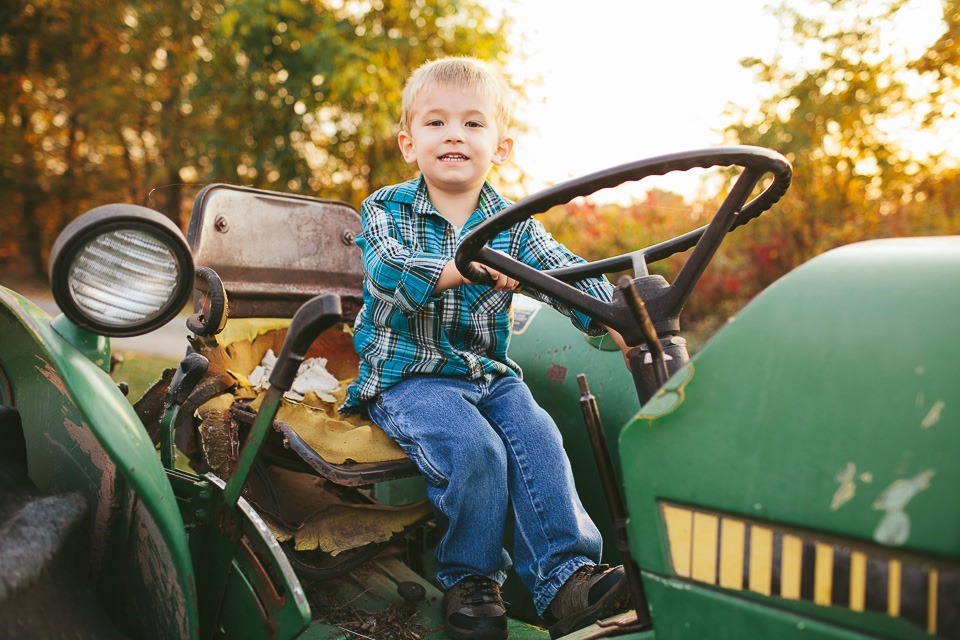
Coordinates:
[489,203]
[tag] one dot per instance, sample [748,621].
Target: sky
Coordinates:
[623,80]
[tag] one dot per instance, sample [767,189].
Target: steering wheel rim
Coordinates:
[665,300]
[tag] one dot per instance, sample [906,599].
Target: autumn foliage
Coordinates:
[146,101]
[846,123]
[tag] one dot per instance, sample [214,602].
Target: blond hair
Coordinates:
[459,72]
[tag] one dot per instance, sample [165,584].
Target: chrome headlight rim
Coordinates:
[109,219]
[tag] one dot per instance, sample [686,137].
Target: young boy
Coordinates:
[435,375]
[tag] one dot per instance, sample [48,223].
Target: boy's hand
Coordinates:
[501,281]
[451,277]
[620,342]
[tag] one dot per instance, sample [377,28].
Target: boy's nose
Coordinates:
[454,134]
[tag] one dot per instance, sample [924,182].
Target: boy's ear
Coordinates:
[503,150]
[405,140]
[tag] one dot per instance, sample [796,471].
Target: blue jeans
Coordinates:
[485,446]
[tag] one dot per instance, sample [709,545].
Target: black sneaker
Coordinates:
[592,592]
[473,610]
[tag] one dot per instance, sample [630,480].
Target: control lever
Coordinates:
[315,316]
[190,372]
[598,442]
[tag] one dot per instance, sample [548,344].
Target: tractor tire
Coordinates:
[44,544]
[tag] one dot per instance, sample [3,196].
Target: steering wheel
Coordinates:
[663,300]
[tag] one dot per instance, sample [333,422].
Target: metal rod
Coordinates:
[598,442]
[186,378]
[708,244]
[167,453]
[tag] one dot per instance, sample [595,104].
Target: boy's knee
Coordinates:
[484,458]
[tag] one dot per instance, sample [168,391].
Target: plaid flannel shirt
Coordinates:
[405,328]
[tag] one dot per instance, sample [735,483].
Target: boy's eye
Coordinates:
[435,123]
[474,123]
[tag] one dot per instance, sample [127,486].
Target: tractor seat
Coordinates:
[271,252]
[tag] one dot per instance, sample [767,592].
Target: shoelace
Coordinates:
[578,584]
[581,576]
[479,591]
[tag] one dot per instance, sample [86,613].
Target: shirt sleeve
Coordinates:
[396,273]
[541,251]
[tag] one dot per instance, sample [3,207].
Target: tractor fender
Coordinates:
[82,435]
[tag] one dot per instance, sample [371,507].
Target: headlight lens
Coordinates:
[121,270]
[123,277]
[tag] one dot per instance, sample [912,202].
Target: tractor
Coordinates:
[790,480]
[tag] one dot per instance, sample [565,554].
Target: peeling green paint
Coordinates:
[894,526]
[669,397]
[933,416]
[847,489]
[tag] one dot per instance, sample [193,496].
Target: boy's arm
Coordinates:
[404,276]
[541,251]
[395,272]
[451,277]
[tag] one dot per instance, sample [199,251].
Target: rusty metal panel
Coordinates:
[274,251]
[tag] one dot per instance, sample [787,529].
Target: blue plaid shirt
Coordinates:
[405,328]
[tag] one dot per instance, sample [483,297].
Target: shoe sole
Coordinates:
[610,603]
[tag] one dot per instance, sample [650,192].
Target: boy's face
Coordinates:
[454,138]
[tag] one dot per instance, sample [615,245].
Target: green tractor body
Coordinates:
[80,435]
[796,479]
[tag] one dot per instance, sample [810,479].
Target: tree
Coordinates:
[50,63]
[839,118]
[117,100]
[838,115]
[942,63]
[331,76]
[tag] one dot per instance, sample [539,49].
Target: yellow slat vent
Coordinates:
[742,555]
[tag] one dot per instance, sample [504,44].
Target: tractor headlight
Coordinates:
[121,270]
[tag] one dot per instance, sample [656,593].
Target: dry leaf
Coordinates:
[343,527]
[218,435]
[279,530]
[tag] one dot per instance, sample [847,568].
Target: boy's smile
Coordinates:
[454,138]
